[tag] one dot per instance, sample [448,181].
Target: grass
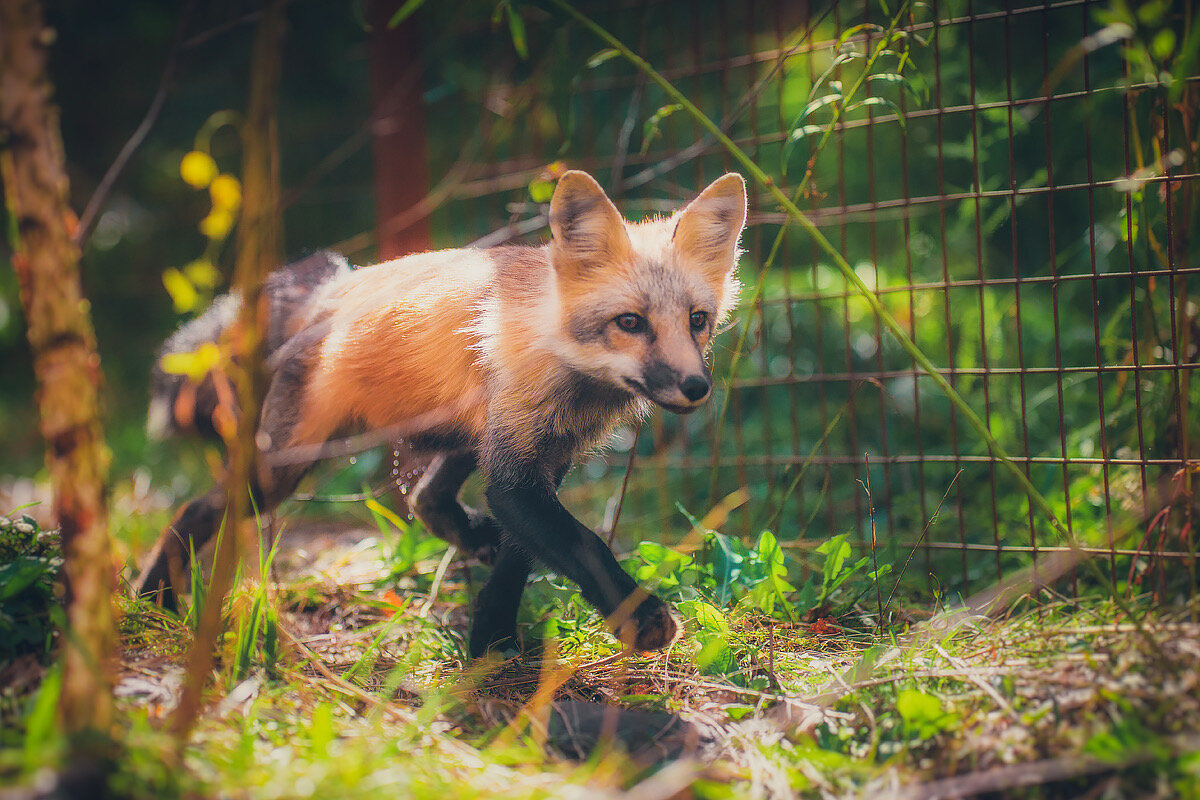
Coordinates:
[330,684]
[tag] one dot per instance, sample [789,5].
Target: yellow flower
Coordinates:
[226,192]
[198,169]
[217,224]
[202,273]
[183,293]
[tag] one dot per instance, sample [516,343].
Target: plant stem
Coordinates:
[740,346]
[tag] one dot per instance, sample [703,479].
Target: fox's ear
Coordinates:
[587,228]
[707,229]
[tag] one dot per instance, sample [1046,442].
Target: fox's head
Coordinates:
[639,302]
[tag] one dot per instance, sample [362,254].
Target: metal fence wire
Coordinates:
[1016,183]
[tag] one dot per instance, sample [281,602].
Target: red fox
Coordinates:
[514,360]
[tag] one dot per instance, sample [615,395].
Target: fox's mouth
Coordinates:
[674,408]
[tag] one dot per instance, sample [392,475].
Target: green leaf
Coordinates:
[1163,44]
[19,574]
[769,552]
[726,563]
[807,599]
[923,714]
[818,104]
[1151,13]
[879,101]
[516,27]
[404,12]
[835,551]
[707,616]
[41,726]
[806,130]
[716,656]
[856,29]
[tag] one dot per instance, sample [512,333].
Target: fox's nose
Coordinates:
[694,388]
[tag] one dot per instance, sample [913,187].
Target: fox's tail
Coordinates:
[178,404]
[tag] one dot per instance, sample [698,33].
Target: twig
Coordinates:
[620,498]
[348,445]
[1001,780]
[91,211]
[511,231]
[437,580]
[874,539]
[987,688]
[921,538]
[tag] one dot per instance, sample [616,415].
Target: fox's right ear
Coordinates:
[708,228]
[588,230]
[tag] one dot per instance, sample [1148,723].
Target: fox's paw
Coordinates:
[485,640]
[482,539]
[654,626]
[484,554]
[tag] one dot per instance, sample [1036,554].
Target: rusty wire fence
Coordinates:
[1015,182]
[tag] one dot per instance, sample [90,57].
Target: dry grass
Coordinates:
[1061,699]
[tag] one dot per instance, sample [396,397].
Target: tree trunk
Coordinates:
[398,133]
[67,367]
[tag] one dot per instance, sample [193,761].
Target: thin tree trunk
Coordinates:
[258,241]
[67,367]
[398,131]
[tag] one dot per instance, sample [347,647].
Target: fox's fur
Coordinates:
[511,359]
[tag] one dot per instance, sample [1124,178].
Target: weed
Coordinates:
[30,605]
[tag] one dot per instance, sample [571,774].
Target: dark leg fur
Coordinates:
[435,502]
[201,518]
[196,525]
[495,624]
[532,515]
[192,528]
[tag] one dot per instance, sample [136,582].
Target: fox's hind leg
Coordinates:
[435,502]
[274,481]
[196,524]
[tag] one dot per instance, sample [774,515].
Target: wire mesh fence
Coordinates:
[1016,183]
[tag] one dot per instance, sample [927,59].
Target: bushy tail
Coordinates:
[179,404]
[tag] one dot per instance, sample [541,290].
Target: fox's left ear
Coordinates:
[707,229]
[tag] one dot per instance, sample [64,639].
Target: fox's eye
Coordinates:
[631,323]
[699,320]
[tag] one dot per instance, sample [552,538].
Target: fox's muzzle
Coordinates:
[674,390]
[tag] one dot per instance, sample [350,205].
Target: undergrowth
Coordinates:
[344,688]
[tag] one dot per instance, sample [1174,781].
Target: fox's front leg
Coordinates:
[528,509]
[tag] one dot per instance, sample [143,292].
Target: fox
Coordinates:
[514,360]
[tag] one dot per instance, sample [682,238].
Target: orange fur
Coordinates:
[512,360]
[408,357]
[455,338]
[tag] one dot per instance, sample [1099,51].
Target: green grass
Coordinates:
[335,688]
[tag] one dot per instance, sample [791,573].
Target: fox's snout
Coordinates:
[674,390]
[694,388]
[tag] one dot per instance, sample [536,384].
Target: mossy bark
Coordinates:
[59,328]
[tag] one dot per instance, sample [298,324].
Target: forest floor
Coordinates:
[328,685]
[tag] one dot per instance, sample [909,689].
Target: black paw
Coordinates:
[653,626]
[483,539]
[484,554]
[152,588]
[492,641]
